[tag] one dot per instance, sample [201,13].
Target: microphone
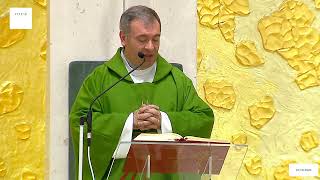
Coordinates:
[89,121]
[89,114]
[141,55]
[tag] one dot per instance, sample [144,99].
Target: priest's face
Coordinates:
[141,38]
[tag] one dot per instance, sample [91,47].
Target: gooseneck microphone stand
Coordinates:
[88,120]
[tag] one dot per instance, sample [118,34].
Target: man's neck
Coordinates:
[140,75]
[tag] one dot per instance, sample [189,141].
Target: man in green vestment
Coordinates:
[157,97]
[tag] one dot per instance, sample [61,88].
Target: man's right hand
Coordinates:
[147,117]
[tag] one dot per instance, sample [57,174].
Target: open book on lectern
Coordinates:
[173,137]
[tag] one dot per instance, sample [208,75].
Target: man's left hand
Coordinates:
[155,119]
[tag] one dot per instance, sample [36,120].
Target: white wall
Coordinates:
[88,30]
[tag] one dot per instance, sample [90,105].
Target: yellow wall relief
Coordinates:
[261,112]
[246,54]
[288,31]
[221,14]
[254,165]
[7,36]
[309,140]
[23,75]
[11,96]
[239,138]
[281,171]
[3,168]
[317,3]
[41,2]
[270,60]
[219,94]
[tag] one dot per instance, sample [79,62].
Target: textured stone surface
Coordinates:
[9,37]
[308,79]
[221,14]
[3,169]
[43,50]
[23,75]
[208,12]
[41,2]
[261,112]
[227,24]
[199,58]
[220,94]
[11,96]
[23,131]
[240,7]
[317,2]
[240,138]
[309,140]
[29,176]
[278,77]
[247,55]
[254,165]
[281,171]
[288,32]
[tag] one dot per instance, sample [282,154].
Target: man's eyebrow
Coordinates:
[143,35]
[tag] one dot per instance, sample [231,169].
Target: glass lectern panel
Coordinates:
[177,160]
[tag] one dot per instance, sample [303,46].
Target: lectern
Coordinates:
[182,160]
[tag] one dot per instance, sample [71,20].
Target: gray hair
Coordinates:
[146,14]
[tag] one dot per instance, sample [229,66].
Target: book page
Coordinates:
[193,138]
[157,137]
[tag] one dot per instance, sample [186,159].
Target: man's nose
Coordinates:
[149,45]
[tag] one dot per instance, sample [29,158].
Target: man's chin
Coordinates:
[150,59]
[150,63]
[147,64]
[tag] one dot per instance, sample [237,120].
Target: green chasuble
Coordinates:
[171,90]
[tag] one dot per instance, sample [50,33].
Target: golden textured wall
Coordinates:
[23,74]
[259,69]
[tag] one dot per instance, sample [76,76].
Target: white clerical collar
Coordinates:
[140,76]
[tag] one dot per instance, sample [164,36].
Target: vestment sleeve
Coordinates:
[195,117]
[106,128]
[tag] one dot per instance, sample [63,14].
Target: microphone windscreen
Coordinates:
[141,55]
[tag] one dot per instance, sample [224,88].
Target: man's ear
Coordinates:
[123,38]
